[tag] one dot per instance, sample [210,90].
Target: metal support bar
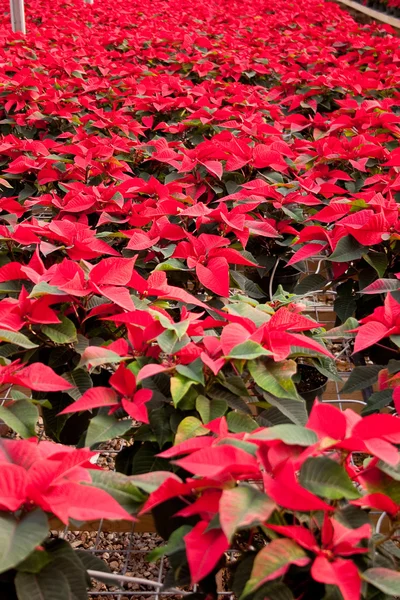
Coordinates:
[101,575]
[17,11]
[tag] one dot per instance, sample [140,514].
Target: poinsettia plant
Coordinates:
[127,211]
[162,173]
[41,482]
[293,504]
[177,366]
[238,364]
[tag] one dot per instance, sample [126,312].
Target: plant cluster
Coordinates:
[171,176]
[39,482]
[293,505]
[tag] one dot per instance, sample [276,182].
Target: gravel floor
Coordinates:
[125,553]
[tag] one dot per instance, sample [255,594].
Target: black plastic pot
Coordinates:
[312,384]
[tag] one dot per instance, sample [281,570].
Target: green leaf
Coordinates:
[65,559]
[393,366]
[311,283]
[342,331]
[179,388]
[275,378]
[19,538]
[170,343]
[176,543]
[91,562]
[294,410]
[246,446]
[386,580]
[393,472]
[8,350]
[246,285]
[361,378]
[21,417]
[377,401]
[238,422]
[345,306]
[243,506]
[81,381]
[160,424]
[351,516]
[234,384]
[274,590]
[179,328]
[105,427]
[232,400]
[289,434]
[188,428]
[270,561]
[377,260]
[210,409]
[10,287]
[120,487]
[192,371]
[258,314]
[242,572]
[395,339]
[81,343]
[347,249]
[172,264]
[248,350]
[327,367]
[387,546]
[150,482]
[61,333]
[34,562]
[13,337]
[44,289]
[147,461]
[49,584]
[327,478]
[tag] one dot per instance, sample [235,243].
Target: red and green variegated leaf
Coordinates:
[95,356]
[243,506]
[273,561]
[380,286]
[386,580]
